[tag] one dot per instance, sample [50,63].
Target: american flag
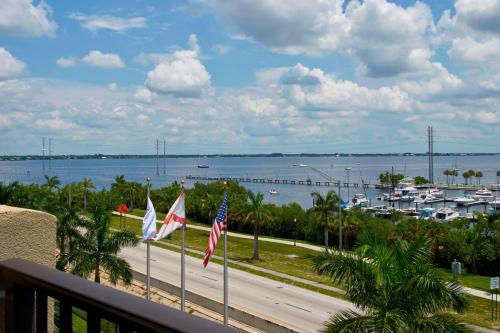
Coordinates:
[219,225]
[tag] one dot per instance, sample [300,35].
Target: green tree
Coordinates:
[258,214]
[498,177]
[86,185]
[68,222]
[52,182]
[453,174]
[396,288]
[325,207]
[419,180]
[447,173]
[97,249]
[466,175]
[478,176]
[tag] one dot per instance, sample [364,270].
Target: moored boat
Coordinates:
[445,214]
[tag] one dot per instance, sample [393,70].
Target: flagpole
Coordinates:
[183,262]
[225,270]
[148,258]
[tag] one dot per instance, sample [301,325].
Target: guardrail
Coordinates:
[28,286]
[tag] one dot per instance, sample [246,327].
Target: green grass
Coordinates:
[161,216]
[470,280]
[479,314]
[274,257]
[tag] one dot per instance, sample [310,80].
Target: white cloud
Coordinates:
[381,34]
[21,17]
[221,48]
[182,74]
[487,117]
[312,89]
[143,95]
[113,86]
[66,62]
[103,60]
[468,50]
[9,66]
[119,24]
[482,16]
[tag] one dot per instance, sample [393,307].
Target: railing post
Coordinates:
[41,312]
[19,309]
[93,322]
[65,316]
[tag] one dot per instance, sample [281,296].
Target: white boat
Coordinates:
[466,199]
[434,192]
[359,200]
[445,214]
[203,166]
[273,192]
[484,195]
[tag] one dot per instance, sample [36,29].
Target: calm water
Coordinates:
[102,172]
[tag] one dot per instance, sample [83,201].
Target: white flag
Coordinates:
[149,222]
[175,218]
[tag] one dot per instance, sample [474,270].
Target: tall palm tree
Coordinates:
[68,222]
[478,175]
[397,289]
[258,214]
[454,173]
[52,182]
[87,185]
[466,176]
[498,177]
[97,249]
[325,207]
[447,173]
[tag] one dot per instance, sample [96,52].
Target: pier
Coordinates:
[307,182]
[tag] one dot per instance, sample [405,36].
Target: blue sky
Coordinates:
[214,76]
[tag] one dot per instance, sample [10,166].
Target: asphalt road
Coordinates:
[297,308]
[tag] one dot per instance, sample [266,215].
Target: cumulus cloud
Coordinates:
[66,62]
[468,50]
[312,89]
[114,23]
[103,60]
[181,74]
[143,95]
[22,18]
[384,36]
[9,66]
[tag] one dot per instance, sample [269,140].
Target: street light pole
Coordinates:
[295,232]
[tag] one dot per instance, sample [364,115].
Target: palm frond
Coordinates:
[439,323]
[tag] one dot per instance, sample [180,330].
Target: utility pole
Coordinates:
[164,155]
[157,156]
[50,154]
[43,153]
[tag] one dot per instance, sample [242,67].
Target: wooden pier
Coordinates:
[307,182]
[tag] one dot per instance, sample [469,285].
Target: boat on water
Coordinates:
[360,200]
[203,166]
[494,206]
[273,192]
[426,213]
[445,214]
[434,192]
[484,195]
[465,199]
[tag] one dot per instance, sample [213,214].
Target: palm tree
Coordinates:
[258,214]
[52,182]
[454,173]
[86,184]
[325,208]
[97,249]
[498,177]
[466,176]
[396,289]
[211,204]
[447,173]
[478,175]
[68,221]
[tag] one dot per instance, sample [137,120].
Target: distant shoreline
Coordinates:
[131,156]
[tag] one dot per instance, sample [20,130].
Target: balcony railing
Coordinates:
[28,286]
